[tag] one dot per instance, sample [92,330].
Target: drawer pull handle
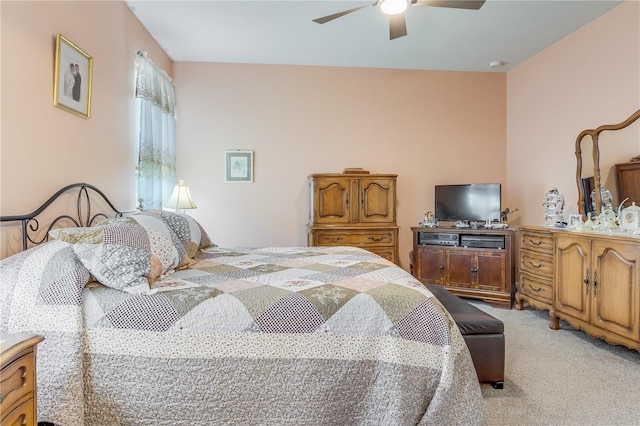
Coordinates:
[333,239]
[536,243]
[539,289]
[377,240]
[1,397]
[586,282]
[538,266]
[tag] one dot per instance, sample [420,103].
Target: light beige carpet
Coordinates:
[561,377]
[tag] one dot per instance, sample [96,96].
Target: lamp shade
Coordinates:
[180,197]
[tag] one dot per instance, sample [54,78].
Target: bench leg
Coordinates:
[497,385]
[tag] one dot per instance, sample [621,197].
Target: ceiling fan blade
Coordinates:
[458,4]
[328,18]
[397,26]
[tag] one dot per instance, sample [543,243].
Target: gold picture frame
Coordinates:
[72,79]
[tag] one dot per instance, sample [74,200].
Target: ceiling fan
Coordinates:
[396,8]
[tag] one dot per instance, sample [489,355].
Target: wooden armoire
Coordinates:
[354,210]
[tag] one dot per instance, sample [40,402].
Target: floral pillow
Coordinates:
[127,253]
[189,231]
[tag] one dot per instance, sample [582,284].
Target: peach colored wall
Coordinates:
[44,148]
[429,127]
[590,78]
[301,120]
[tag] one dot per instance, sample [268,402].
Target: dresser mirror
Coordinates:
[602,154]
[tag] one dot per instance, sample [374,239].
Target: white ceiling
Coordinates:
[282,32]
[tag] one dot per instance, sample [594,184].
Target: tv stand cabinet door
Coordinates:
[461,268]
[492,271]
[429,264]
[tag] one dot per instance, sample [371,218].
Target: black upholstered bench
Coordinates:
[483,333]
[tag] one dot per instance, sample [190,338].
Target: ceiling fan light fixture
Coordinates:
[393,7]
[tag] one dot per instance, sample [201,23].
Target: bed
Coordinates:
[147,321]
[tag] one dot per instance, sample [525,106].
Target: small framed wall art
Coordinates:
[72,78]
[238,166]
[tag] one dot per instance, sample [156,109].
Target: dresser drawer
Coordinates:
[21,415]
[17,383]
[364,238]
[536,263]
[535,287]
[18,379]
[537,241]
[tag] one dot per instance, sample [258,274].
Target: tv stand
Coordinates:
[470,262]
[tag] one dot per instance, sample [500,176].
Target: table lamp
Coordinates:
[180,198]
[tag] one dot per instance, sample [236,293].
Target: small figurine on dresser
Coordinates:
[589,224]
[608,220]
[553,207]
[429,220]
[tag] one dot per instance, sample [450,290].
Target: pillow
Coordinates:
[126,253]
[189,231]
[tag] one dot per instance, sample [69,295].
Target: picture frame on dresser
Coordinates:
[73,78]
[575,220]
[238,166]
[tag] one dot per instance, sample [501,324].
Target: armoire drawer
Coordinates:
[363,238]
[388,253]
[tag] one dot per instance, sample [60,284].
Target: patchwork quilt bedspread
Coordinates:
[251,336]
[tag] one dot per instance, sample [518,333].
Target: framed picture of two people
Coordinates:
[72,84]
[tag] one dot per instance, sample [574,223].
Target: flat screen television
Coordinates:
[468,202]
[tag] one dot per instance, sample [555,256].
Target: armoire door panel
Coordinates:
[333,202]
[378,200]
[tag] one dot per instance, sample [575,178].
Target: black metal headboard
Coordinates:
[30,224]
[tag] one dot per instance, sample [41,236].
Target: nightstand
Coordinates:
[18,379]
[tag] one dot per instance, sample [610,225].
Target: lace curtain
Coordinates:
[155,134]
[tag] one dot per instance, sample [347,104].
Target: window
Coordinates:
[155,134]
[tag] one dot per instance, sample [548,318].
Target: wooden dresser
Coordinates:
[18,379]
[595,284]
[354,210]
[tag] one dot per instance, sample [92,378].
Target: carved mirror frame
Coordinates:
[593,135]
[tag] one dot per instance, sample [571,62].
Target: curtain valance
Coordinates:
[154,85]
